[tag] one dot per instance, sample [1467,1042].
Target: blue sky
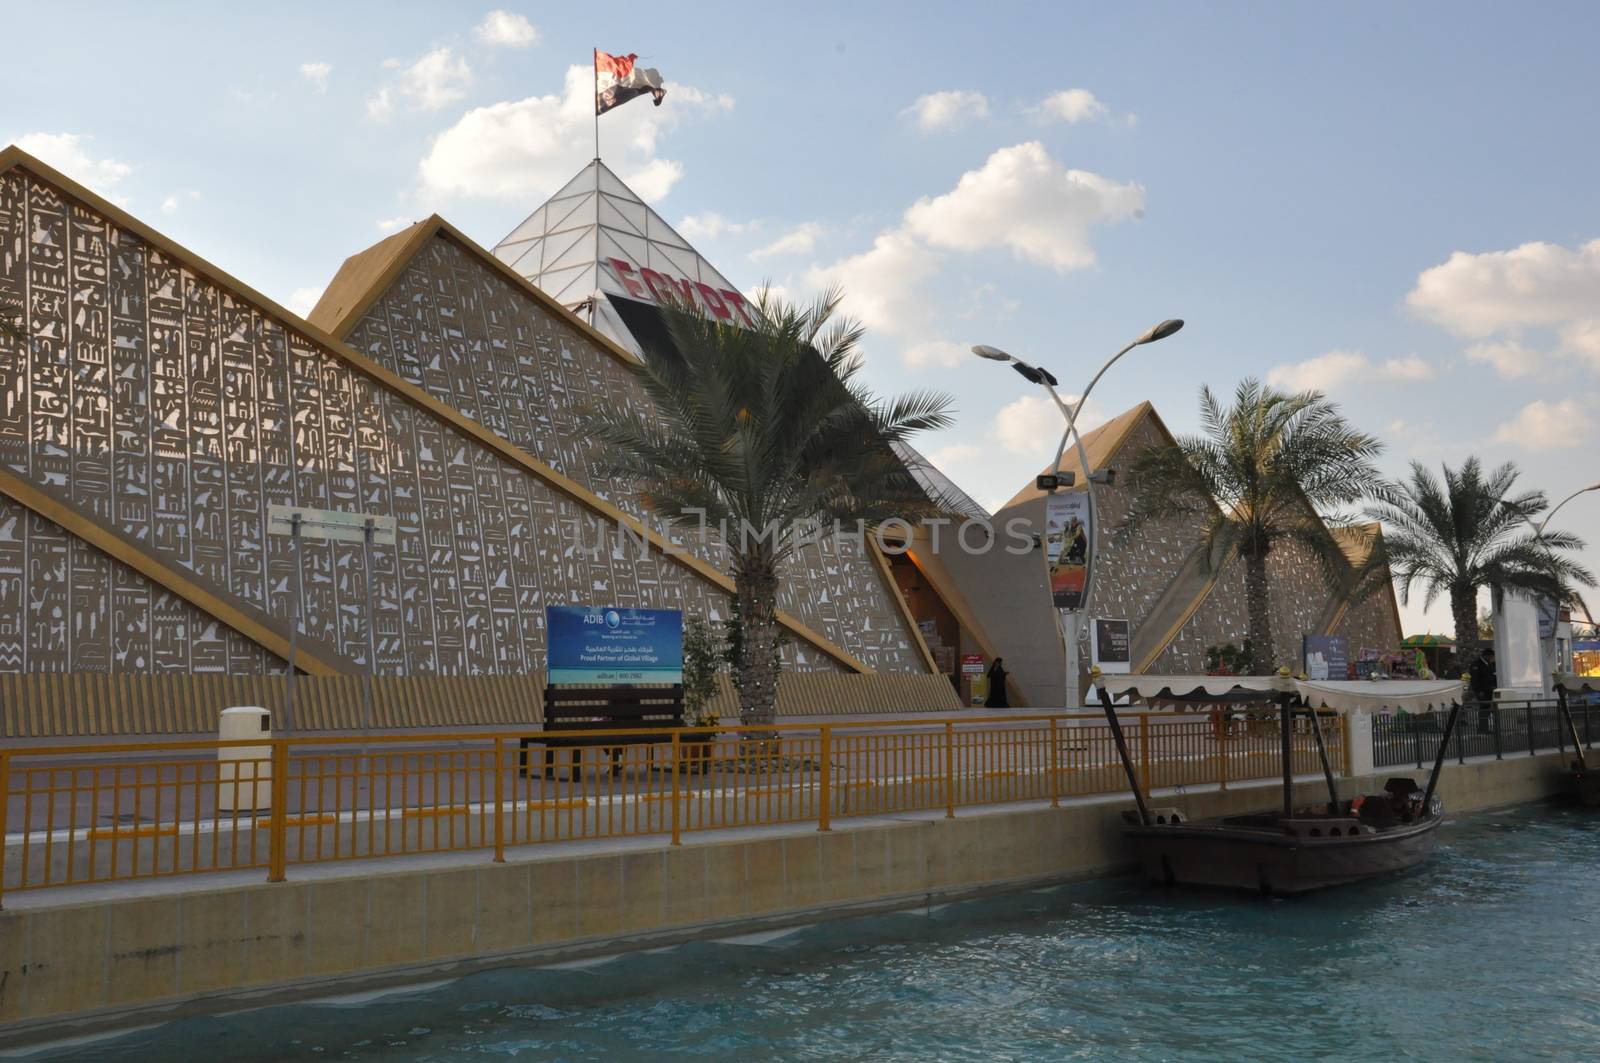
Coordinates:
[1391,202]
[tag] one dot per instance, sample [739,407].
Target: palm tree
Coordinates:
[766,432]
[1259,475]
[1469,532]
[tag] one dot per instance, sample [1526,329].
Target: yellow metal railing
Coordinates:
[75,814]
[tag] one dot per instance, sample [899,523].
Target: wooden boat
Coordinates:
[1268,853]
[1294,850]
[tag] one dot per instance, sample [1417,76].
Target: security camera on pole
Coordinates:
[1071,602]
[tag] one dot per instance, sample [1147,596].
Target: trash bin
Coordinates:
[244,773]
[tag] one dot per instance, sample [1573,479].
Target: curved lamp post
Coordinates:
[1538,533]
[1539,529]
[1072,619]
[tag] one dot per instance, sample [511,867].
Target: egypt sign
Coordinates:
[652,286]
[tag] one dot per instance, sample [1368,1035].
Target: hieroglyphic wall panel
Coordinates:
[455,327]
[176,412]
[67,607]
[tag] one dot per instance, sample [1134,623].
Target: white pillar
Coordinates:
[1360,744]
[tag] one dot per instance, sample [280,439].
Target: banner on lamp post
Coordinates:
[1066,546]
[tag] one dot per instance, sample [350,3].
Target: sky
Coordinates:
[1391,203]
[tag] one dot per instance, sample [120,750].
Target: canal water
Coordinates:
[1492,951]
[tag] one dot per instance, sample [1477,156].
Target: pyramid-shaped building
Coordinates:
[601,251]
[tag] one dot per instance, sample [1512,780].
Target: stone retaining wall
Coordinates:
[139,952]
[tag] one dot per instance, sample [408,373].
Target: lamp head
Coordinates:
[1161,331]
[994,354]
[1033,374]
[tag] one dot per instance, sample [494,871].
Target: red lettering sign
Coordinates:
[663,288]
[624,273]
[713,301]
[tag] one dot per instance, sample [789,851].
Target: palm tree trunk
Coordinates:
[755,669]
[1258,605]
[1464,613]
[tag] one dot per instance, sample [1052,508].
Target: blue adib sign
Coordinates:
[606,646]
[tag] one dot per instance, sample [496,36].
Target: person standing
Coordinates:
[1483,685]
[997,686]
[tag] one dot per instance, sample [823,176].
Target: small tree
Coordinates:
[703,654]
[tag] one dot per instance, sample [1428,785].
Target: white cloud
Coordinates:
[1498,296]
[939,353]
[523,150]
[301,300]
[389,225]
[1071,106]
[1328,372]
[68,152]
[953,453]
[316,74]
[1410,367]
[1542,425]
[1020,199]
[437,79]
[1024,200]
[800,240]
[506,29]
[1582,338]
[1510,358]
[882,285]
[1032,426]
[710,225]
[653,180]
[1537,284]
[171,204]
[943,111]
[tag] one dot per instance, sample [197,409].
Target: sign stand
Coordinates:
[295,522]
[300,523]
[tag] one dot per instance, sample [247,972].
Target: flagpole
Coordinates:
[595,56]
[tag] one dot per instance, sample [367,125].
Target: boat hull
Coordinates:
[1267,860]
[1584,786]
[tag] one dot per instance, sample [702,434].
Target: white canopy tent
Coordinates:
[1370,696]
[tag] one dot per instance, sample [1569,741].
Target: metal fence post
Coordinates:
[1344,737]
[949,770]
[1499,741]
[5,814]
[677,770]
[1416,736]
[1528,712]
[1054,763]
[825,799]
[1144,751]
[277,843]
[499,800]
[1222,752]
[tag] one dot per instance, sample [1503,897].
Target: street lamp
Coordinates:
[1045,379]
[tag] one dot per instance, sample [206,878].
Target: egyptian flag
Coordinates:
[617,80]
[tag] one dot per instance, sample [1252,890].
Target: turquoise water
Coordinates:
[1492,951]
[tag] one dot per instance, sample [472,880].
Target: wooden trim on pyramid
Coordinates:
[15,158]
[887,573]
[364,278]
